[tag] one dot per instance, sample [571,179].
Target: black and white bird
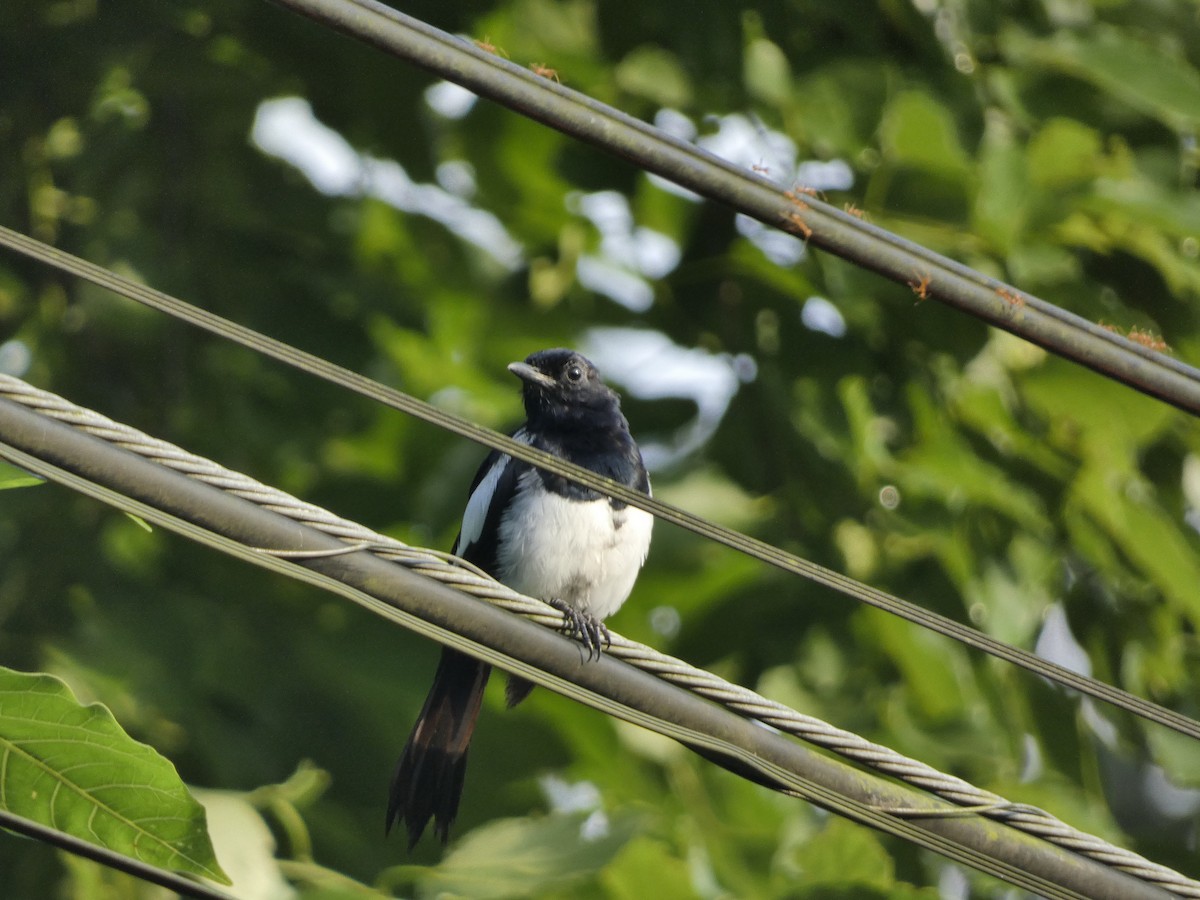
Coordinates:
[544,536]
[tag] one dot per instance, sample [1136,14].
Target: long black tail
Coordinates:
[429,777]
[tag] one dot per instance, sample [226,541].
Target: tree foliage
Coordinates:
[1052,144]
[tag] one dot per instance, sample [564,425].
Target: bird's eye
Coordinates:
[574,374]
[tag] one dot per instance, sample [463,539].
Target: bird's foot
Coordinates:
[589,630]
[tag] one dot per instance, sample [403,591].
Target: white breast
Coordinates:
[586,554]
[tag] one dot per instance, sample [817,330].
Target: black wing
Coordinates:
[491,493]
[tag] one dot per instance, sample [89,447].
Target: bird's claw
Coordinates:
[589,630]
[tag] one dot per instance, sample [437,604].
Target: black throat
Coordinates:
[598,440]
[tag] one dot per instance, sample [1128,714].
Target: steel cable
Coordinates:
[757,549]
[452,572]
[935,276]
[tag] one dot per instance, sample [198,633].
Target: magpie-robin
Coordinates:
[542,535]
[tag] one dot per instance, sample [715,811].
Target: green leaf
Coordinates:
[936,675]
[1177,755]
[1002,199]
[651,72]
[1125,509]
[12,477]
[520,857]
[831,124]
[1064,153]
[982,408]
[941,466]
[73,768]
[1155,224]
[1100,421]
[918,131]
[706,492]
[140,522]
[843,853]
[648,862]
[1159,83]
[1174,212]
[767,73]
[246,843]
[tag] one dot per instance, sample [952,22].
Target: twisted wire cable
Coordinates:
[739,541]
[458,574]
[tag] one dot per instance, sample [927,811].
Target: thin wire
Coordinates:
[937,287]
[434,565]
[796,785]
[864,244]
[736,540]
[893,819]
[174,881]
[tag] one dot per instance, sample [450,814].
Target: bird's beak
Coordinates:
[529,374]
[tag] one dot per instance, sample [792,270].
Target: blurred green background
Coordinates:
[293,180]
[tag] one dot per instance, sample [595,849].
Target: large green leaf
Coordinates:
[919,131]
[73,768]
[520,857]
[1003,197]
[1063,154]
[941,465]
[847,860]
[1145,532]
[1162,84]
[645,861]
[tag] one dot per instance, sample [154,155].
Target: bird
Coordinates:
[542,535]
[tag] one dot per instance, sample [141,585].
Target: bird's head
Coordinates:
[563,385]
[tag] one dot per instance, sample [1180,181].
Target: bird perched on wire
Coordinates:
[544,536]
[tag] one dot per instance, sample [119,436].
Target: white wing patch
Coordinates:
[481,500]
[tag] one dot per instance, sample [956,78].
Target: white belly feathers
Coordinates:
[585,554]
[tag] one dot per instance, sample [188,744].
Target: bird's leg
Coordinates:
[589,630]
